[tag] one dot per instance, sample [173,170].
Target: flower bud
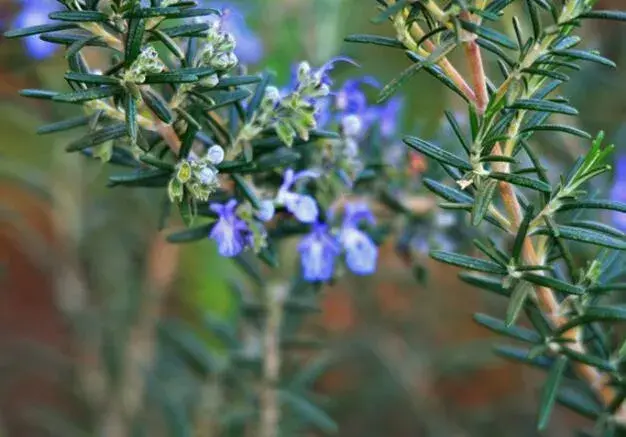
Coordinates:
[210,81]
[207,176]
[351,125]
[184,172]
[304,70]
[215,154]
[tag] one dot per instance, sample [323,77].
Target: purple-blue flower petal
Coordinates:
[361,251]
[318,252]
[229,232]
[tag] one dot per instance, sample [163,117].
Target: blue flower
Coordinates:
[354,113]
[361,251]
[618,192]
[318,251]
[229,232]
[388,116]
[350,99]
[33,13]
[302,206]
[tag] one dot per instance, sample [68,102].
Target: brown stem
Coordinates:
[269,402]
[546,299]
[140,348]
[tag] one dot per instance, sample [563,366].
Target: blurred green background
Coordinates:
[406,358]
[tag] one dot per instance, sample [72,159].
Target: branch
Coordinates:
[546,299]
[269,402]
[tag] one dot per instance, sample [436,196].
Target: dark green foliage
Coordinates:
[539,213]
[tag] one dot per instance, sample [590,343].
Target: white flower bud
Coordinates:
[304,70]
[352,125]
[215,154]
[272,95]
[207,176]
[228,42]
[210,81]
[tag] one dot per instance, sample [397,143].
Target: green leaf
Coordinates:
[38,94]
[102,92]
[583,55]
[307,411]
[594,204]
[597,226]
[92,78]
[187,141]
[546,73]
[595,313]
[64,125]
[170,77]
[484,196]
[543,106]
[376,40]
[521,233]
[79,44]
[484,282]
[606,288]
[457,130]
[467,262]
[191,234]
[157,105]
[604,15]
[107,133]
[282,157]
[523,355]
[185,30]
[436,72]
[489,34]
[553,283]
[220,99]
[389,11]
[584,236]
[589,359]
[579,402]
[515,332]
[156,162]
[246,190]
[557,128]
[490,249]
[79,16]
[519,296]
[259,93]
[437,153]
[134,39]
[550,390]
[171,12]
[131,117]
[35,30]
[438,54]
[448,193]
[144,178]
[522,181]
[235,81]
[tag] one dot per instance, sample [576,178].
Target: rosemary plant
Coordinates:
[501,183]
[249,164]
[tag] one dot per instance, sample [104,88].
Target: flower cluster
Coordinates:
[198,176]
[218,50]
[147,62]
[348,107]
[320,248]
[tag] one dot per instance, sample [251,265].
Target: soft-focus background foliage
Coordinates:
[407,359]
